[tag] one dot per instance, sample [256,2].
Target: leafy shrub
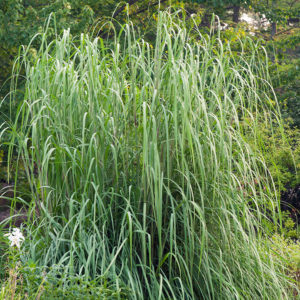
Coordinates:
[28,283]
[288,91]
[285,73]
[288,252]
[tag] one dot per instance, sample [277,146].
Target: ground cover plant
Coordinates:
[140,172]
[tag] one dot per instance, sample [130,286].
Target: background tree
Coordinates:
[278,12]
[225,5]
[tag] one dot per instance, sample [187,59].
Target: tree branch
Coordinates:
[153,4]
[119,10]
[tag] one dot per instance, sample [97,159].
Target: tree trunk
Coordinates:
[273,28]
[236,13]
[273,24]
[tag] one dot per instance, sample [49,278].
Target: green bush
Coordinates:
[281,150]
[24,282]
[287,251]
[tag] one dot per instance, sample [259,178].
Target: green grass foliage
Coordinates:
[139,169]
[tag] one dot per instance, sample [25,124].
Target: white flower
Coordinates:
[16,237]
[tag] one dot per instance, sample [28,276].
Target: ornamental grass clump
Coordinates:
[139,165]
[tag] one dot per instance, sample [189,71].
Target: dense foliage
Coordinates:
[141,172]
[158,149]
